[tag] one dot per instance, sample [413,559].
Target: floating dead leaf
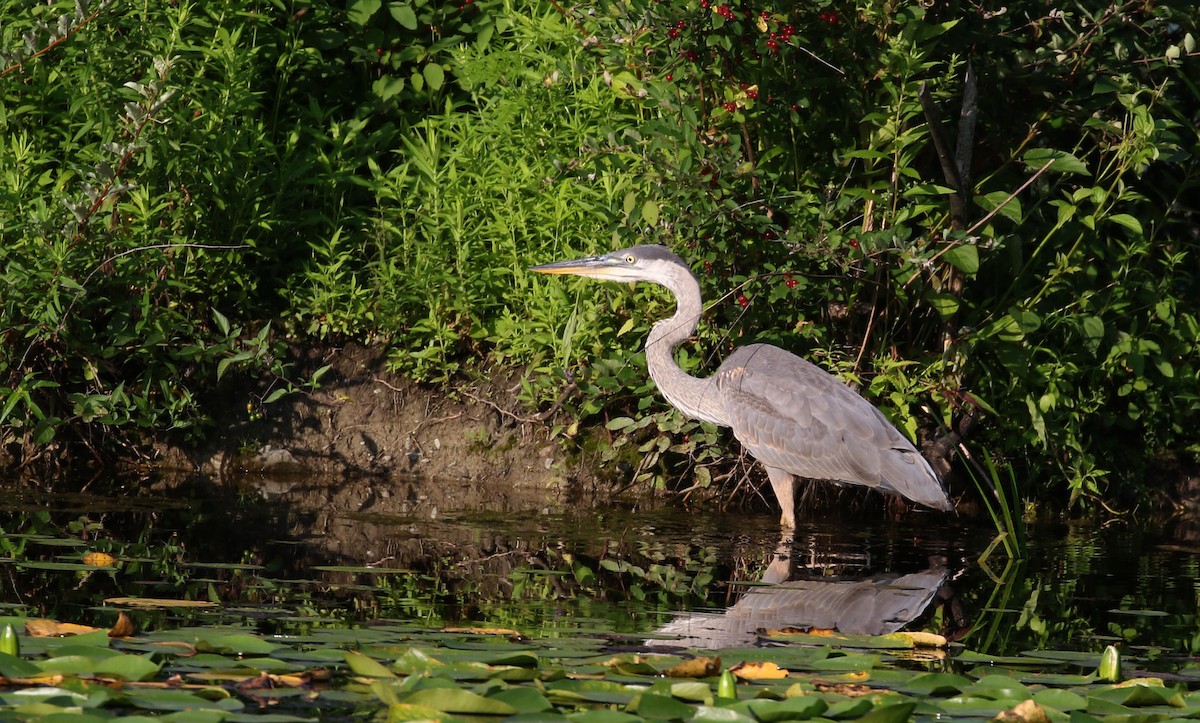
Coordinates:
[759,671]
[39,628]
[696,668]
[268,681]
[123,628]
[99,559]
[920,639]
[1024,712]
[154,602]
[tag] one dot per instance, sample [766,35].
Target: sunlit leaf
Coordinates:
[404,14]
[1062,161]
[366,666]
[964,257]
[456,700]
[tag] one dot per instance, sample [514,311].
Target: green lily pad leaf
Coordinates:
[44,694]
[415,660]
[998,687]
[178,700]
[127,667]
[12,666]
[1033,677]
[853,661]
[848,709]
[603,716]
[658,707]
[894,713]
[970,656]
[67,665]
[236,643]
[973,707]
[693,691]
[797,708]
[936,684]
[367,666]
[407,712]
[1060,700]
[1139,695]
[712,714]
[596,691]
[456,700]
[524,700]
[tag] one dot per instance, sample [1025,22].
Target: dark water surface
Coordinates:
[281,555]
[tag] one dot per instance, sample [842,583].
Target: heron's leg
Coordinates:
[784,485]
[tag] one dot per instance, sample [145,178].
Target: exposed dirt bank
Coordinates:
[470,448]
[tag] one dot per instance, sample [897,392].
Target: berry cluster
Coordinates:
[725,11]
[830,17]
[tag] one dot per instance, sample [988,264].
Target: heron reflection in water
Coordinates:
[794,417]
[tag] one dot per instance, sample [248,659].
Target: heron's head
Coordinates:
[637,263]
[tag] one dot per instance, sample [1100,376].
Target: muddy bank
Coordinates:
[466,447]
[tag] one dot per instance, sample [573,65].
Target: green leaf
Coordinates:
[240,643]
[367,666]
[964,257]
[1129,222]
[12,666]
[456,700]
[127,667]
[434,75]
[650,212]
[797,708]
[359,12]
[404,14]
[895,713]
[658,707]
[1063,162]
[524,700]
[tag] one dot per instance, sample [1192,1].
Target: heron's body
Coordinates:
[794,417]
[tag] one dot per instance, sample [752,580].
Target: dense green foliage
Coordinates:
[174,176]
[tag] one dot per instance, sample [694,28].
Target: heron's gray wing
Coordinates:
[793,415]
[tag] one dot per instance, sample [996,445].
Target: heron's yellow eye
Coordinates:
[629,259]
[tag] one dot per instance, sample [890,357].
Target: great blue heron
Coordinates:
[794,417]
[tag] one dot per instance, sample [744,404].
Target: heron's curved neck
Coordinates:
[693,396]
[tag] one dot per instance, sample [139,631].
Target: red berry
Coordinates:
[773,46]
[708,267]
[670,77]
[854,242]
[791,283]
[743,301]
[729,106]
[752,94]
[672,33]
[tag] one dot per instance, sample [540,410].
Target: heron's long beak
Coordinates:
[596,267]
